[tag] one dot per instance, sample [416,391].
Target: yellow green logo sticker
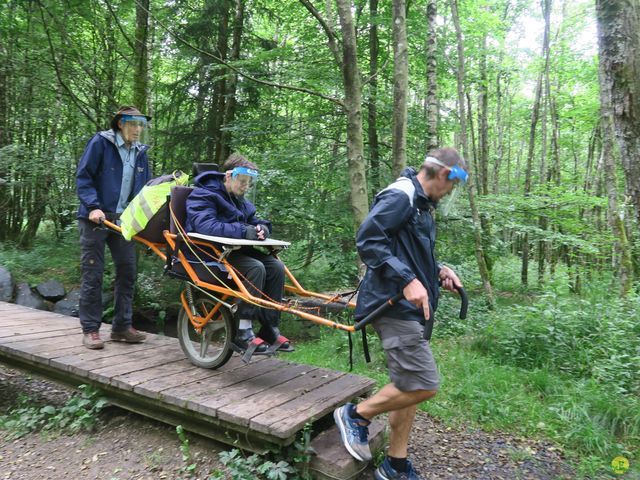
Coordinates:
[620,465]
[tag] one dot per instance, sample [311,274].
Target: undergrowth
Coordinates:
[80,413]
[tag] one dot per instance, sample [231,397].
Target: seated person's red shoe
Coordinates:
[243,340]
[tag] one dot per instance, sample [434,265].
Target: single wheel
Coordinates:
[212,347]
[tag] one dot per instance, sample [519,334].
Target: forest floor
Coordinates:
[128,446]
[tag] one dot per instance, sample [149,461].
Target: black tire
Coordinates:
[214,351]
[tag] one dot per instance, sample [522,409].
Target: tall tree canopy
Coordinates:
[287,83]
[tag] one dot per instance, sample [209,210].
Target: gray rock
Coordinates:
[7,285]
[27,298]
[51,290]
[69,305]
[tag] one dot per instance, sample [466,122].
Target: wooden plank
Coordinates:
[159,358]
[241,390]
[30,349]
[182,394]
[66,355]
[243,410]
[84,363]
[12,307]
[33,314]
[15,330]
[39,316]
[131,379]
[153,388]
[30,332]
[19,311]
[286,419]
[210,400]
[111,349]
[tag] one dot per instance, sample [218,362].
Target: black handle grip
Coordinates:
[378,311]
[465,302]
[392,301]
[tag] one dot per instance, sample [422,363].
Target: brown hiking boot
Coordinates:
[92,341]
[129,336]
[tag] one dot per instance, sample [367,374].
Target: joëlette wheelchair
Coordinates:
[206,323]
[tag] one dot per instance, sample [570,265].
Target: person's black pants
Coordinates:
[264,278]
[92,242]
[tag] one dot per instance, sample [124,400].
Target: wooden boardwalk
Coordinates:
[259,407]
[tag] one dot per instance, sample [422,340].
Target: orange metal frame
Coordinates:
[242,293]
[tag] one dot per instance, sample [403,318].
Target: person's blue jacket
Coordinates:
[211,210]
[396,242]
[99,174]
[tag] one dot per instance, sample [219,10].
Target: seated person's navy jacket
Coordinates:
[211,210]
[99,174]
[396,242]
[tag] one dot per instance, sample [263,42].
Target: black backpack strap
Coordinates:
[365,345]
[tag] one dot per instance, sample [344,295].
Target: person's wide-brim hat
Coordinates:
[133,111]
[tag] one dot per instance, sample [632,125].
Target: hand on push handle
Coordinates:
[449,280]
[97,216]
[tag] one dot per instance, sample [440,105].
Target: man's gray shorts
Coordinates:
[409,359]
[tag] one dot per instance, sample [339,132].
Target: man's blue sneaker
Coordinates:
[386,472]
[354,433]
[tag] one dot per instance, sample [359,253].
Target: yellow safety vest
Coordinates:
[148,202]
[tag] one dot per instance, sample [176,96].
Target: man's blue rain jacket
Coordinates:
[99,174]
[396,242]
[211,210]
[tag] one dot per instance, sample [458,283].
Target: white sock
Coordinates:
[244,324]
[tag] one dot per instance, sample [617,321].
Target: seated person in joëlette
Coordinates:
[218,207]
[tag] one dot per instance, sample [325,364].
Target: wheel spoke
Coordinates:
[205,340]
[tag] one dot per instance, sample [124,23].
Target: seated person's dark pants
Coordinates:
[92,243]
[264,273]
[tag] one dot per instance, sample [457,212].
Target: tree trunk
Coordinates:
[141,73]
[535,112]
[353,108]
[483,122]
[477,236]
[230,105]
[623,262]
[400,86]
[619,44]
[217,102]
[432,78]
[372,107]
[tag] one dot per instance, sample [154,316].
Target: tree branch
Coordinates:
[236,70]
[79,103]
[117,20]
[327,29]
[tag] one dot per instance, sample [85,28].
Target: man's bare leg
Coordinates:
[389,399]
[400,423]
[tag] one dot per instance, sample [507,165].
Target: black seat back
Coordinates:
[179,195]
[199,168]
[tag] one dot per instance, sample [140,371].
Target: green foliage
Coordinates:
[189,466]
[585,338]
[49,258]
[80,413]
[239,467]
[294,463]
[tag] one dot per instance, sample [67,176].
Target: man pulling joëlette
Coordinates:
[397,242]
